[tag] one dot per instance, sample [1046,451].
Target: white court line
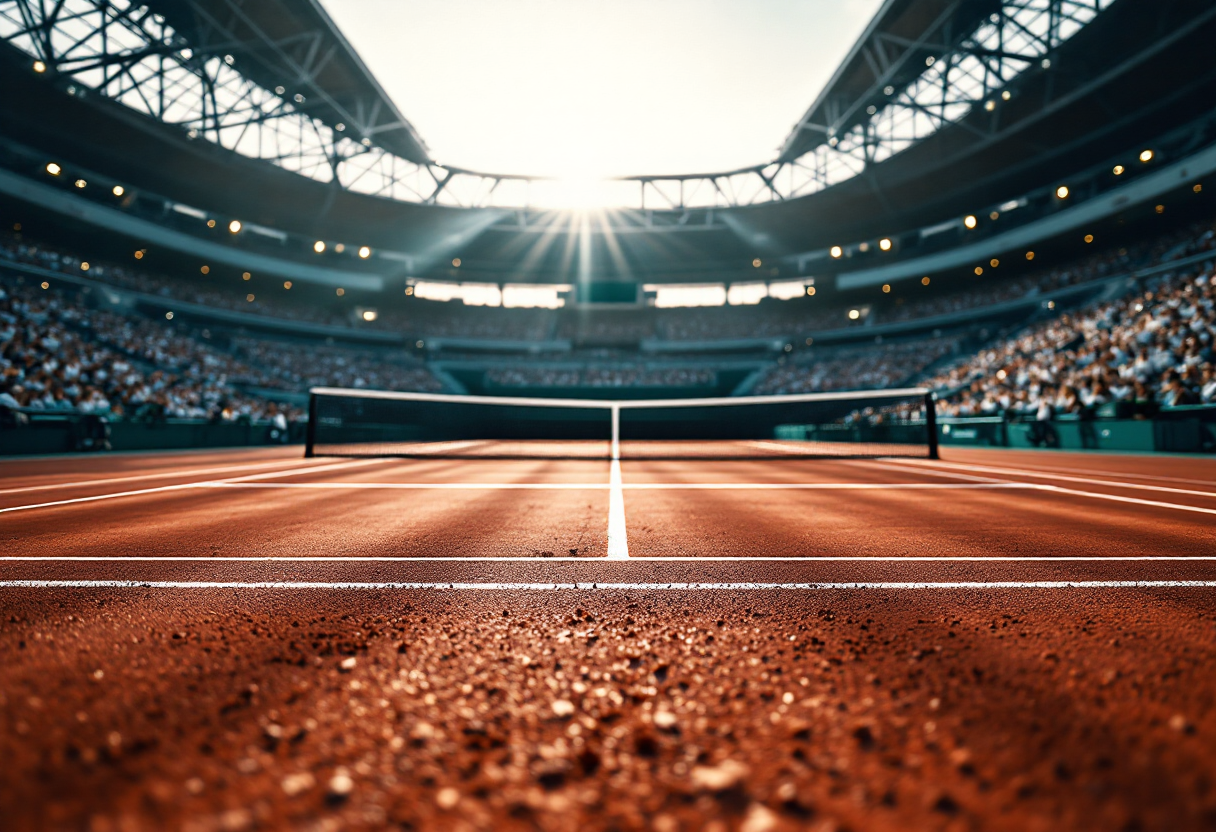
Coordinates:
[156,476]
[1133,500]
[591,560]
[1129,474]
[589,486]
[618,542]
[179,487]
[1036,475]
[589,586]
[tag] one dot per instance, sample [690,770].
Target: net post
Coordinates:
[931,423]
[616,432]
[310,431]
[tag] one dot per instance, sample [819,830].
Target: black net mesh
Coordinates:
[862,424]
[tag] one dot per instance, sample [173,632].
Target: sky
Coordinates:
[590,89]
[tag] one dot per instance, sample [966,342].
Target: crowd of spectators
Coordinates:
[1148,349]
[58,354]
[853,368]
[614,376]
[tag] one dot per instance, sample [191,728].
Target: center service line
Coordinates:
[618,544]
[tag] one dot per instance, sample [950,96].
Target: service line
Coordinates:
[597,586]
[596,560]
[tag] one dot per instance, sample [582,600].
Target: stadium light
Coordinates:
[39,67]
[80,183]
[1006,95]
[854,314]
[249,298]
[234,226]
[810,291]
[994,262]
[53,169]
[836,252]
[1146,155]
[139,255]
[1062,192]
[369,315]
[924,281]
[456,263]
[993,216]
[1160,209]
[1198,188]
[341,292]
[884,244]
[979,270]
[84,267]
[1089,238]
[886,288]
[1030,255]
[246,276]
[318,246]
[211,223]
[168,316]
[340,248]
[1117,170]
[117,190]
[205,270]
[970,221]
[757,263]
[364,252]
[286,284]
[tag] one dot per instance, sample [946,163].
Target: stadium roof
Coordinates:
[890,53]
[294,44]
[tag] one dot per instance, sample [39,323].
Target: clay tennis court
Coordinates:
[248,639]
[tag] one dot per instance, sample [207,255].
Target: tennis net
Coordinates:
[368,423]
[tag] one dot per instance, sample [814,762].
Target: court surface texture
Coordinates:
[249,640]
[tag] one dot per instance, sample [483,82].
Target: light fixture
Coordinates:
[318,246]
[854,314]
[369,315]
[80,183]
[810,291]
[1146,155]
[53,169]
[341,292]
[756,263]
[884,244]
[286,284]
[211,223]
[45,285]
[970,221]
[364,252]
[249,298]
[84,267]
[1198,188]
[409,290]
[1117,170]
[139,255]
[456,262]
[205,270]
[836,251]
[117,190]
[168,316]
[886,287]
[994,215]
[1030,255]
[340,248]
[246,276]
[234,226]
[39,66]
[1006,95]
[990,106]
[979,270]
[994,262]
[1089,238]
[1160,209]
[924,281]
[1062,192]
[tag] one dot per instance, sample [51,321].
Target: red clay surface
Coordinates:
[368,693]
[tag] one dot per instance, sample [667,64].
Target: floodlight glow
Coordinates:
[364,252]
[117,190]
[1146,155]
[53,169]
[39,67]
[970,221]
[318,246]
[854,314]
[369,315]
[234,226]
[748,294]
[788,289]
[687,295]
[472,294]
[80,183]
[836,251]
[884,244]
[528,296]
[1117,170]
[1062,192]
